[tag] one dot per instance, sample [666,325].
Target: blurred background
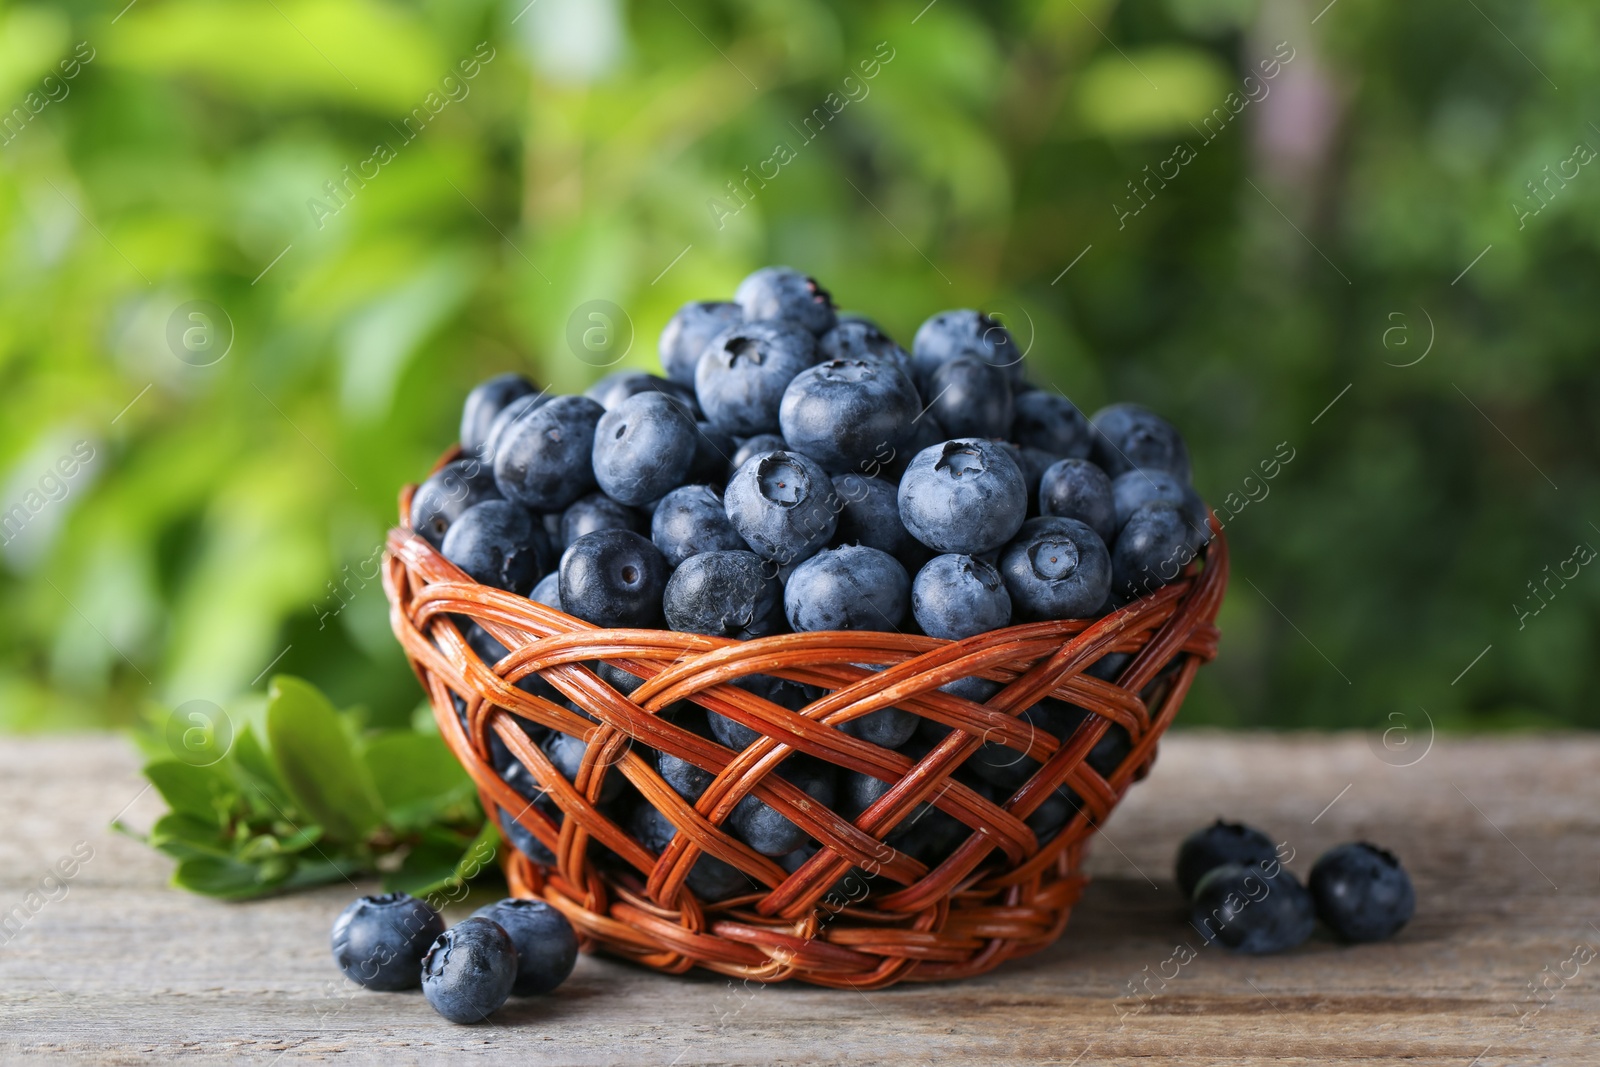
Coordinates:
[255,253]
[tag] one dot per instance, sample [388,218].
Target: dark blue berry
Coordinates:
[524,841]
[970,398]
[486,400]
[713,456]
[1362,892]
[754,446]
[950,334]
[618,386]
[724,594]
[690,520]
[785,293]
[510,416]
[566,753]
[593,513]
[744,371]
[548,591]
[858,338]
[449,491]
[547,947]
[378,942]
[543,461]
[1133,489]
[1007,768]
[643,447]
[965,496]
[1254,909]
[760,825]
[1128,437]
[613,578]
[849,415]
[956,596]
[497,543]
[847,588]
[470,970]
[783,505]
[1078,489]
[1056,569]
[780,691]
[687,780]
[688,332]
[869,514]
[1212,846]
[1152,549]
[886,727]
[710,879]
[1050,422]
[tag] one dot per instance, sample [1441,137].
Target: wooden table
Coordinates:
[1502,836]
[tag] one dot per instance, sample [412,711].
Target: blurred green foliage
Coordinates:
[1315,239]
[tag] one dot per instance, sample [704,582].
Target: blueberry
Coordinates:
[687,780]
[690,520]
[780,691]
[543,461]
[724,594]
[524,841]
[858,338]
[886,727]
[926,432]
[710,879]
[1051,423]
[497,543]
[744,371]
[957,596]
[595,512]
[1256,908]
[548,591]
[783,505]
[760,825]
[489,650]
[547,947]
[1054,812]
[512,415]
[1212,846]
[486,400]
[964,332]
[618,386]
[470,970]
[1362,892]
[869,514]
[754,446]
[449,491]
[848,588]
[849,415]
[643,447]
[1078,489]
[852,886]
[1127,436]
[964,496]
[1109,667]
[1056,569]
[928,835]
[613,578]
[1007,768]
[1133,489]
[1151,550]
[566,753]
[785,293]
[1033,463]
[689,331]
[379,942]
[970,398]
[713,455]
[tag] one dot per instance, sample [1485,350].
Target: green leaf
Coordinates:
[198,791]
[316,760]
[442,859]
[416,777]
[254,765]
[227,878]
[184,836]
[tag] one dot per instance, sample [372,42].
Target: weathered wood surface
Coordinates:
[1501,835]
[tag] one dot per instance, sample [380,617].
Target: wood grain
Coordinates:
[1502,836]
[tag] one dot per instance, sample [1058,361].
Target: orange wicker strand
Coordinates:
[1000,894]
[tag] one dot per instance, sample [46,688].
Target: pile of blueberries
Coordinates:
[1241,896]
[797,470]
[516,947]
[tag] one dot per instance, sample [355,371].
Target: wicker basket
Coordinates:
[999,894]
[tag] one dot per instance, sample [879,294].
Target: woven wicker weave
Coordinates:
[1000,894]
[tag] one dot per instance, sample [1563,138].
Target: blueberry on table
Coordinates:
[497,543]
[449,491]
[643,447]
[970,398]
[595,512]
[956,596]
[1129,437]
[724,594]
[487,400]
[378,942]
[965,495]
[745,369]
[1152,549]
[1362,892]
[848,588]
[1255,909]
[1056,569]
[783,505]
[689,331]
[964,332]
[869,514]
[690,520]
[1050,422]
[613,578]
[1079,489]
[785,293]
[547,947]
[754,446]
[543,461]
[470,970]
[849,415]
